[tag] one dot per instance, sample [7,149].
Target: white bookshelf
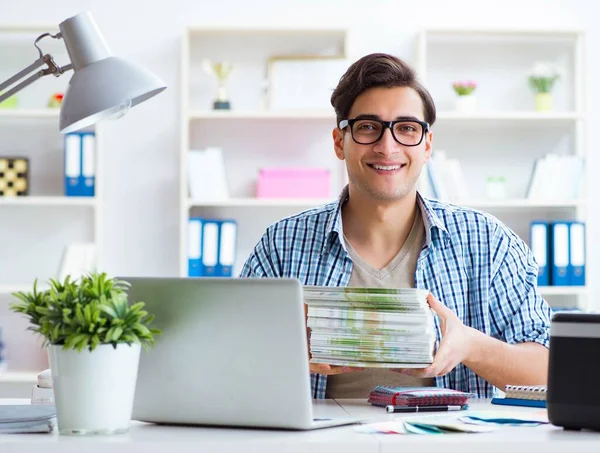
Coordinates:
[263,114]
[250,133]
[38,113]
[505,134]
[37,227]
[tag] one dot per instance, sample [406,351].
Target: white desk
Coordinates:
[147,438]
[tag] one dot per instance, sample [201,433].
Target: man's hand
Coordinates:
[323,368]
[454,346]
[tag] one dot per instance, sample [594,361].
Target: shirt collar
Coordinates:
[435,230]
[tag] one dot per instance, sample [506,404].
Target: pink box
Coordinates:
[293,183]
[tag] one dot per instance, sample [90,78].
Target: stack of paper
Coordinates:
[27,419]
[370,327]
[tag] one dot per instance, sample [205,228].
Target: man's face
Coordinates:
[385,170]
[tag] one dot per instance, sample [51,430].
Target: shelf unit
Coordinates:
[251,135]
[36,228]
[505,134]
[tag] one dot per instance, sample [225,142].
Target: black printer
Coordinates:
[573,397]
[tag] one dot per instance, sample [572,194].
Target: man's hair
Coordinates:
[378,70]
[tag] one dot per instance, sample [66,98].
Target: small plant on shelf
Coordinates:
[464,88]
[543,77]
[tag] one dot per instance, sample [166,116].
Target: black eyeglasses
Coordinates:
[366,131]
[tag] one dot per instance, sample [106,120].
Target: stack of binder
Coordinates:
[370,327]
[559,249]
[80,164]
[211,247]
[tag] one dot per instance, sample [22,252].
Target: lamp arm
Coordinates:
[47,59]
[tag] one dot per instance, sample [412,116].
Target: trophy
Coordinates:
[221,70]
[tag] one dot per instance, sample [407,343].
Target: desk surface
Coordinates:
[153,438]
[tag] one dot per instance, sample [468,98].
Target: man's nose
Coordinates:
[386,144]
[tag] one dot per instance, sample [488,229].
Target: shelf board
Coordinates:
[16,377]
[478,204]
[518,203]
[510,116]
[29,113]
[261,114]
[263,202]
[47,201]
[563,290]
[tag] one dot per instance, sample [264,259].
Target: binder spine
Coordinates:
[577,254]
[540,247]
[560,254]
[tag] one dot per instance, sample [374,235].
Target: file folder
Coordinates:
[540,248]
[195,247]
[72,151]
[559,275]
[88,164]
[577,254]
[210,248]
[227,247]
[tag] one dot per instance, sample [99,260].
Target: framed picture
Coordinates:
[304,82]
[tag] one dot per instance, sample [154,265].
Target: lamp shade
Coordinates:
[102,86]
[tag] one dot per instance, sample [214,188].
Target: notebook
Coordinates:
[523,395]
[417,396]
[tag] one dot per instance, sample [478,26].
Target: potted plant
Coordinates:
[466,102]
[93,336]
[542,79]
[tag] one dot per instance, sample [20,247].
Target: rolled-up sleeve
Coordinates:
[518,313]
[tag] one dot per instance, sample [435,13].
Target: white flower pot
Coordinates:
[93,391]
[466,104]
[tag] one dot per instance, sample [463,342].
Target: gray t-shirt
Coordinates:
[399,273]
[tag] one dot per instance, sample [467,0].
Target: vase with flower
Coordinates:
[466,101]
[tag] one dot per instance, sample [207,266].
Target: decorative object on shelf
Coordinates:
[293,183]
[221,70]
[466,101]
[10,103]
[55,100]
[542,79]
[93,337]
[207,179]
[304,82]
[495,188]
[14,176]
[102,86]
[80,164]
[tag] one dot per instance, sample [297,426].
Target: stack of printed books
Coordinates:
[370,327]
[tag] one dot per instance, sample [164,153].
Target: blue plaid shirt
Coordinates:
[471,262]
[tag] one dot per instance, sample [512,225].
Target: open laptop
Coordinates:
[233,353]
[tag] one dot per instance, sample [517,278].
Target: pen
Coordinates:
[391,409]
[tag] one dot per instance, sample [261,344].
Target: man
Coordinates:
[492,321]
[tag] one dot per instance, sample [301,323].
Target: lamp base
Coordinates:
[221,105]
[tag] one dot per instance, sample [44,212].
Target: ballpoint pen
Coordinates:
[392,409]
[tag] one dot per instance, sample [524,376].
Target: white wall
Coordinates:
[141,150]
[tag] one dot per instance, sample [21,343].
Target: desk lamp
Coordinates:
[102,86]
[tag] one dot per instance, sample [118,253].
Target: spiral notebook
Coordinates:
[523,395]
[417,396]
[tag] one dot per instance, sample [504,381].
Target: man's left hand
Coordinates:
[454,345]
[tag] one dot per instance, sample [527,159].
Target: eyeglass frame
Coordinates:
[385,125]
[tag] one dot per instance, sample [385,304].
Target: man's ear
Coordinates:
[338,142]
[428,143]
